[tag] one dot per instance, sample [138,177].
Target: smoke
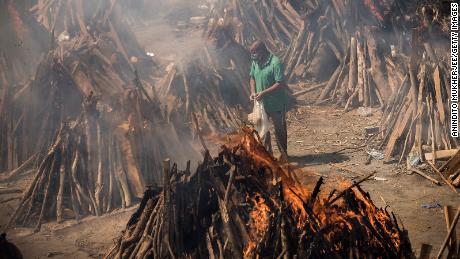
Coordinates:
[171,30]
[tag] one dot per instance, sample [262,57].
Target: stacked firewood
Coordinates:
[102,61]
[22,43]
[211,86]
[351,46]
[92,157]
[95,20]
[242,203]
[367,53]
[415,121]
[100,161]
[451,169]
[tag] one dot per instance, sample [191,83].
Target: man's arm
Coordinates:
[252,86]
[278,74]
[274,87]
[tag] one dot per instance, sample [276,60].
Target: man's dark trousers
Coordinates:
[279,122]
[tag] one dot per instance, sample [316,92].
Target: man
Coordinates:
[267,85]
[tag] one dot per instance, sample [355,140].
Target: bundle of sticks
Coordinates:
[416,119]
[242,203]
[22,44]
[359,80]
[100,161]
[95,20]
[311,36]
[212,85]
[72,69]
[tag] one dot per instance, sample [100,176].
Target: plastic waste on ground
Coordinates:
[365,111]
[376,154]
[433,205]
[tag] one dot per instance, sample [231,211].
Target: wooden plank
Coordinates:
[397,131]
[425,251]
[438,93]
[441,154]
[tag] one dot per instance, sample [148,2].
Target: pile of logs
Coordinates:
[389,54]
[22,43]
[100,161]
[93,157]
[312,36]
[349,45]
[212,85]
[102,62]
[242,203]
[416,120]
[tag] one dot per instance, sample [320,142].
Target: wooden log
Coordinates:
[425,251]
[10,190]
[98,192]
[415,170]
[309,89]
[442,177]
[26,164]
[229,186]
[352,72]
[420,111]
[449,234]
[330,84]
[376,71]
[167,205]
[361,69]
[198,131]
[439,96]
[235,245]
[10,199]
[349,188]
[440,154]
[45,202]
[122,180]
[60,194]
[448,216]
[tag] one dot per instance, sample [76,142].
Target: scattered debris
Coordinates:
[434,205]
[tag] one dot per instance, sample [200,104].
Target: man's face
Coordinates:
[257,56]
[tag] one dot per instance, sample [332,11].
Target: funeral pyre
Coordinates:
[243,203]
[89,125]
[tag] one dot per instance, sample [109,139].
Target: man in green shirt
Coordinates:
[267,84]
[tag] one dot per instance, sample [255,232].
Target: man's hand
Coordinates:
[259,96]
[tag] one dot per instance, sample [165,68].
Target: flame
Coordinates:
[258,223]
[336,224]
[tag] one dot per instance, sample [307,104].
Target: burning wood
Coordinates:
[244,204]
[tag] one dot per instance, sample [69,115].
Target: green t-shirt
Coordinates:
[266,76]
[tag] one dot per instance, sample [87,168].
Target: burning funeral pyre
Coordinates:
[243,203]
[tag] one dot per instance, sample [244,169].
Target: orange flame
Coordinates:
[258,223]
